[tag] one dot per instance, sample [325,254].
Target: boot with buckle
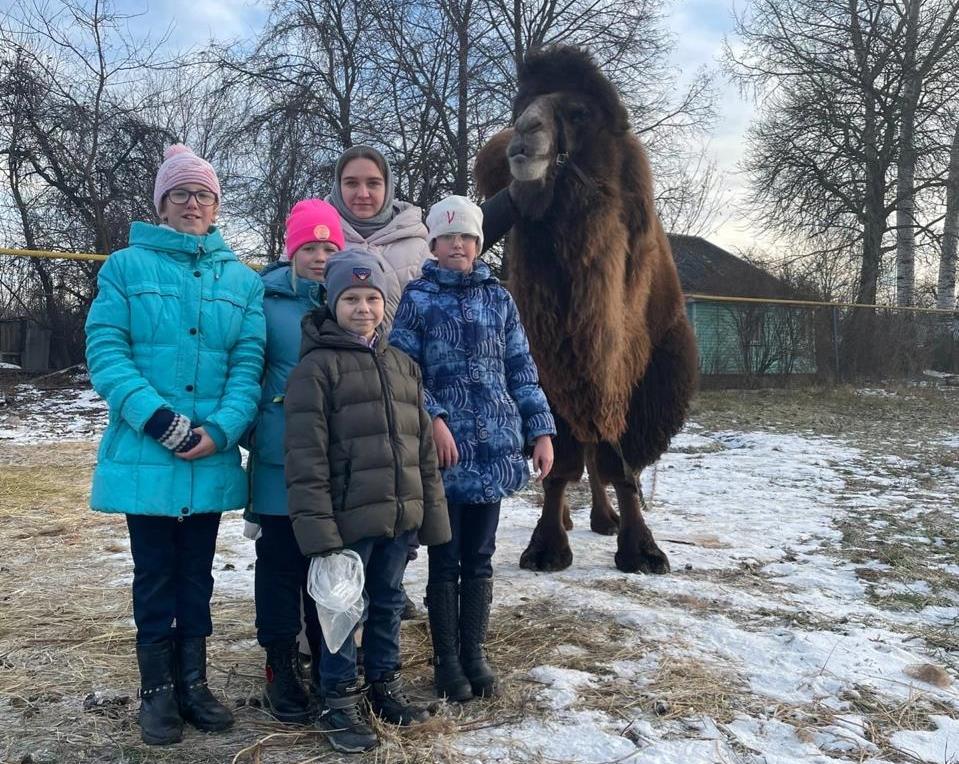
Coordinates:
[197,704]
[159,717]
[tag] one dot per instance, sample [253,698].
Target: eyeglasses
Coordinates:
[452,237]
[181,196]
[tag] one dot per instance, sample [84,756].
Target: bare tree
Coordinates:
[926,72]
[946,290]
[78,155]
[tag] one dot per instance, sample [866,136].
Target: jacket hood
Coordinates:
[435,277]
[164,239]
[407,224]
[320,330]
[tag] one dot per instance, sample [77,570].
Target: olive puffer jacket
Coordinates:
[360,459]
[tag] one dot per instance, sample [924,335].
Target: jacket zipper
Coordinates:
[391,426]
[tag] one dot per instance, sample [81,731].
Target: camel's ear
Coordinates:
[491,169]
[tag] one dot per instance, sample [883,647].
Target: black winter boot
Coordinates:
[284,695]
[476,595]
[197,704]
[390,702]
[160,721]
[342,720]
[442,603]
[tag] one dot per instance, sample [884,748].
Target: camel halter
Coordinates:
[563,161]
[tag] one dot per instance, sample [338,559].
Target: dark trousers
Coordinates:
[384,561]
[279,585]
[469,553]
[172,575]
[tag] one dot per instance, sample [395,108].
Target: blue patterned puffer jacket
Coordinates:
[464,331]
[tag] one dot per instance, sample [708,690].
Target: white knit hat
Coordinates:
[455,214]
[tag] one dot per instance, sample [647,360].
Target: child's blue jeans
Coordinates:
[384,561]
[469,553]
[172,575]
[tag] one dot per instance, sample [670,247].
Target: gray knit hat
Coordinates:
[353,268]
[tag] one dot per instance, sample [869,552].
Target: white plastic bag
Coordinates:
[336,585]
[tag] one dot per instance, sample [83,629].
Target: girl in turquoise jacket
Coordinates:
[175,342]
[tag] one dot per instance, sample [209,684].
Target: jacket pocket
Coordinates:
[153,307]
[222,319]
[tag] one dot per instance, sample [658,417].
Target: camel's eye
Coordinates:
[577,113]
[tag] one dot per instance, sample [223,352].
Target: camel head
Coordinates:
[565,114]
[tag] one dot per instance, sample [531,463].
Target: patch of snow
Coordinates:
[939,746]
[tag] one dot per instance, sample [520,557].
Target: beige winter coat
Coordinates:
[402,245]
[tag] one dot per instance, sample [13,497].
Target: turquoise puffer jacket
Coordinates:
[284,310]
[177,323]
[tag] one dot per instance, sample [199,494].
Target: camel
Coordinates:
[593,276]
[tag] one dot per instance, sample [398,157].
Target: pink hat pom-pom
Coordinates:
[176,148]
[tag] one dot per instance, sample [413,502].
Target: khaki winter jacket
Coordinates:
[401,244]
[360,459]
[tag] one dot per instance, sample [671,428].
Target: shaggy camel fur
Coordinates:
[592,273]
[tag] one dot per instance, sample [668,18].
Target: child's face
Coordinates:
[360,310]
[310,259]
[189,216]
[362,187]
[456,251]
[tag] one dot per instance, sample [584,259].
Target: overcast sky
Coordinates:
[698,26]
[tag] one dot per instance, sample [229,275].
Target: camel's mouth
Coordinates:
[525,167]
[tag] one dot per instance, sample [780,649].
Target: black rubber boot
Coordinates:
[284,695]
[442,603]
[197,704]
[160,721]
[476,595]
[342,720]
[390,702]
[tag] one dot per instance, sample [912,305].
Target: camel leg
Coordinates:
[637,551]
[602,517]
[548,548]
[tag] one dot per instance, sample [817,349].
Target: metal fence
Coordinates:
[759,342]
[756,342]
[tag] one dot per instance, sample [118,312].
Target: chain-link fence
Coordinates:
[763,342]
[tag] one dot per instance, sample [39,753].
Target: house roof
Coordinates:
[705,268]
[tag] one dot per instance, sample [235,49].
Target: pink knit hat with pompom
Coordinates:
[312,220]
[181,165]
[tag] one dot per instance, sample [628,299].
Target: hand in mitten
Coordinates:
[171,430]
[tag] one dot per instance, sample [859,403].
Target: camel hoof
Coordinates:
[547,560]
[605,525]
[649,560]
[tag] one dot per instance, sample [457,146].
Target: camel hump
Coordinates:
[491,169]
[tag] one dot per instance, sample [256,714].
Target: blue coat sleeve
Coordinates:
[409,329]
[113,373]
[238,406]
[522,379]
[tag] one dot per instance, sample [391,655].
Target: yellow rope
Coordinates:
[706,297]
[51,255]
[811,303]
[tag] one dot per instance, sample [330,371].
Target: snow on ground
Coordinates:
[768,594]
[47,416]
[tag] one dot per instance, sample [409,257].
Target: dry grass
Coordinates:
[66,629]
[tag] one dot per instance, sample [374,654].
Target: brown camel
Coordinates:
[593,276]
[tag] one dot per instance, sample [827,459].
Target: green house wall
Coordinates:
[753,339]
